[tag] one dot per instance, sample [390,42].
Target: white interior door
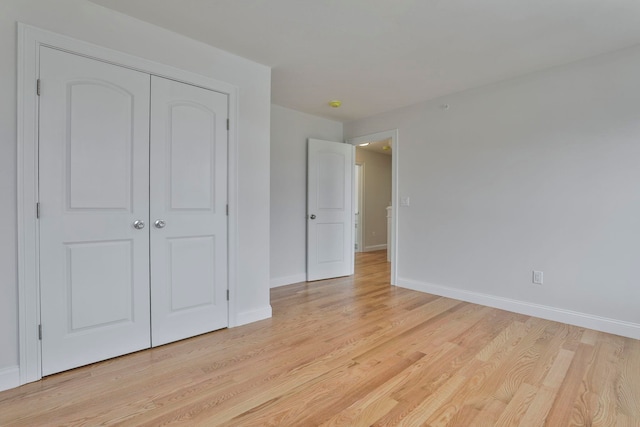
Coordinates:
[93,184]
[188,210]
[330,229]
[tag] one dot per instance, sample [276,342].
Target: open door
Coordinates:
[330,228]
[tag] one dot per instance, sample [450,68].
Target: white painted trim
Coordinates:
[395,156]
[288,280]
[359,237]
[9,377]
[28,260]
[604,324]
[375,248]
[232,200]
[246,317]
[30,39]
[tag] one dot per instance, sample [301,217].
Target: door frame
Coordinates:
[393,244]
[359,238]
[30,39]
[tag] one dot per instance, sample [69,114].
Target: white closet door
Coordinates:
[188,210]
[94,180]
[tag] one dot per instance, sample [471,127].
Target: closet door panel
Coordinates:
[188,210]
[93,186]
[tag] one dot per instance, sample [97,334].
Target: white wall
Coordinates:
[377,195]
[540,172]
[289,132]
[92,23]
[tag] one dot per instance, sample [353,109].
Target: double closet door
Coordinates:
[132,198]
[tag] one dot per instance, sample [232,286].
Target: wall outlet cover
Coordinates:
[538,277]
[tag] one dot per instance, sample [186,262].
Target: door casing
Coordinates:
[30,39]
[358,202]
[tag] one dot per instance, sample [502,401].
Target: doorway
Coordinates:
[379,141]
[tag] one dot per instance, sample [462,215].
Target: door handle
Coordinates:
[160,223]
[312,216]
[138,224]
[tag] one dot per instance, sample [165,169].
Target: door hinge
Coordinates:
[227,294]
[38,210]
[227,124]
[227,210]
[40,332]
[38,87]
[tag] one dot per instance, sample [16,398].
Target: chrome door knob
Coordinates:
[312,216]
[160,223]
[138,224]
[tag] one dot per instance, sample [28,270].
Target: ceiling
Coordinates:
[378,55]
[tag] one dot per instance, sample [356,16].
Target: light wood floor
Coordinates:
[355,352]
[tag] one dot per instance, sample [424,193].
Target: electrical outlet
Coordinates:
[537,277]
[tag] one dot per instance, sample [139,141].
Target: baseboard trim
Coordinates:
[9,377]
[288,280]
[585,320]
[374,248]
[253,316]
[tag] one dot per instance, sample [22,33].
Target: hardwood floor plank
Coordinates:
[489,415]
[517,407]
[472,395]
[564,411]
[628,382]
[539,408]
[354,351]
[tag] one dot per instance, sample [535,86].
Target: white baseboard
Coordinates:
[253,316]
[374,248]
[585,320]
[9,377]
[288,280]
